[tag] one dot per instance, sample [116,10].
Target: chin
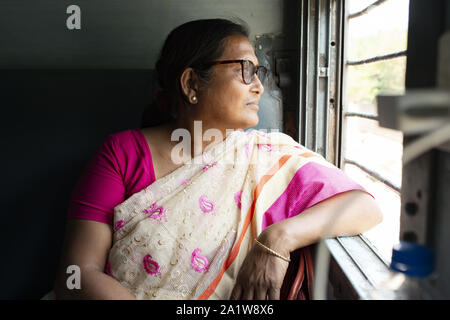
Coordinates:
[244,122]
[254,122]
[251,123]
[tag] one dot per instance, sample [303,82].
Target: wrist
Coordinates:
[277,239]
[293,233]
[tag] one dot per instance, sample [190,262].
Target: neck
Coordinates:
[199,133]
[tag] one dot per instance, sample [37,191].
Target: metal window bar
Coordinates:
[394,55]
[378,58]
[374,174]
[374,249]
[367,9]
[318,76]
[362,115]
[368,278]
[322,63]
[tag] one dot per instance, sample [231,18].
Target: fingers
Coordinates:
[260,294]
[248,294]
[260,277]
[255,294]
[274,294]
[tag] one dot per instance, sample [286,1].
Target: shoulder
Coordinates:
[122,146]
[124,136]
[125,140]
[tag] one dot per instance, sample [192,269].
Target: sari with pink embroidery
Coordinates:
[186,235]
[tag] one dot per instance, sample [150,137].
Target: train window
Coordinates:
[374,63]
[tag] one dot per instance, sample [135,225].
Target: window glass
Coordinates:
[365,82]
[381,31]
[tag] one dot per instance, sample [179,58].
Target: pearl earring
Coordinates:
[194,98]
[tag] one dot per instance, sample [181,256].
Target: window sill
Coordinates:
[354,268]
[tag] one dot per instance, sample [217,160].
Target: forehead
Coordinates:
[238,47]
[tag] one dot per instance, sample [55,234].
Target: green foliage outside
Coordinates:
[365,82]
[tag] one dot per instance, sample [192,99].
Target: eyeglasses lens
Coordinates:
[250,70]
[261,72]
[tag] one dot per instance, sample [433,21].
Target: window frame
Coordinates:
[355,264]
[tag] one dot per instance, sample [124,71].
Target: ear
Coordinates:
[189,84]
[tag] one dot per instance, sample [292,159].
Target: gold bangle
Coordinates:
[276,254]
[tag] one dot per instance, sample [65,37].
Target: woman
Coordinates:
[148,222]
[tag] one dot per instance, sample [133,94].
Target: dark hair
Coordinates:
[191,45]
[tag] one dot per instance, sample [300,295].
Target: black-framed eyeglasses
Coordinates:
[248,70]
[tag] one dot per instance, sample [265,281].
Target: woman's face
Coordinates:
[227,102]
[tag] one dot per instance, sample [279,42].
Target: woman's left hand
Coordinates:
[261,275]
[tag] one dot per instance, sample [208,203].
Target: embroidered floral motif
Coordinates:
[151,209]
[199,262]
[209,165]
[158,213]
[155,212]
[265,147]
[205,205]
[237,198]
[151,266]
[119,224]
[184,181]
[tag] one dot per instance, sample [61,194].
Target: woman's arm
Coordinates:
[86,245]
[346,214]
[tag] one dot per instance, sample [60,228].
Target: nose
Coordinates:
[257,86]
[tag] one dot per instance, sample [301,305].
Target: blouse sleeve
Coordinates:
[311,184]
[100,187]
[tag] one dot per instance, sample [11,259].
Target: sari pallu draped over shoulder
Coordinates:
[186,235]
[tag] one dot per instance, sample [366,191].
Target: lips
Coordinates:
[253,105]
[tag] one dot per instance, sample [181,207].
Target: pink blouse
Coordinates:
[121,167]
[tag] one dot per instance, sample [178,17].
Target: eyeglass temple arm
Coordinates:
[226,62]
